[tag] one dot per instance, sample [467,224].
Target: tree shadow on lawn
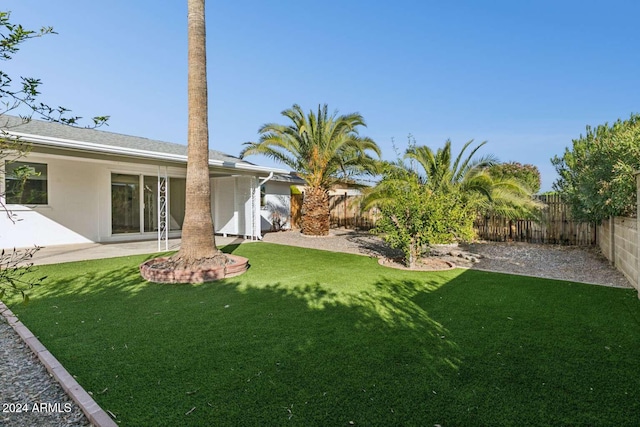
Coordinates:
[244,354]
[407,349]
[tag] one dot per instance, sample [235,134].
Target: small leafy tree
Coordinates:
[15,272]
[436,197]
[413,216]
[25,92]
[596,175]
[21,95]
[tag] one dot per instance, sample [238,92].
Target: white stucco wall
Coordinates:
[71,212]
[33,227]
[233,202]
[79,204]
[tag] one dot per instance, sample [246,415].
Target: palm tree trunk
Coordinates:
[315,212]
[198,240]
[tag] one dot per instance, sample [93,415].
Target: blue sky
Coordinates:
[528,76]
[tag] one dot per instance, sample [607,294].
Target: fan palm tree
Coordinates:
[468,177]
[198,240]
[441,175]
[324,149]
[471,178]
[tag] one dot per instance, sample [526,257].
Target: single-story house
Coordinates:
[80,185]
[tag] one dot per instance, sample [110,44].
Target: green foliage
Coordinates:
[16,273]
[528,175]
[596,175]
[413,216]
[505,196]
[444,174]
[435,197]
[14,34]
[323,148]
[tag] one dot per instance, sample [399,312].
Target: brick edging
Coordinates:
[96,415]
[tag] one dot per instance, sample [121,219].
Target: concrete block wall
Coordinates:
[618,240]
[605,238]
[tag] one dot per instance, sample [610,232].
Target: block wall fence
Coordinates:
[619,241]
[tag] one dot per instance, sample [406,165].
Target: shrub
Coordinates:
[596,176]
[414,217]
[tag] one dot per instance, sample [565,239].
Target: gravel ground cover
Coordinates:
[24,381]
[577,264]
[29,396]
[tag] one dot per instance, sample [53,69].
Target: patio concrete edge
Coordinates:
[96,415]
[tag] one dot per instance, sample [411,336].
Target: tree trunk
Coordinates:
[198,240]
[315,212]
[413,253]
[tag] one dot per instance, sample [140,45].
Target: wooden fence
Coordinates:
[296,210]
[555,225]
[344,212]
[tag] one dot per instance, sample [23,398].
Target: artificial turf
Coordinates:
[310,337]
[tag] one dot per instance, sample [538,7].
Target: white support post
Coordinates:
[255,211]
[163,197]
[256,205]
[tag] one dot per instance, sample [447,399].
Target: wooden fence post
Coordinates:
[296,210]
[345,208]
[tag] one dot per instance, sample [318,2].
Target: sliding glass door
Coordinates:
[135,211]
[150,203]
[177,191]
[125,203]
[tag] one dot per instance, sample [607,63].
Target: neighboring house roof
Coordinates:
[347,191]
[291,178]
[63,136]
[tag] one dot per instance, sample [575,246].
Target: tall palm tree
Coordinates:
[324,149]
[198,240]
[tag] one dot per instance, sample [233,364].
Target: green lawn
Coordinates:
[318,338]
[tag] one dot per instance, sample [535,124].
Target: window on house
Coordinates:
[263,196]
[26,183]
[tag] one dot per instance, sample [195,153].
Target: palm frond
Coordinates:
[321,147]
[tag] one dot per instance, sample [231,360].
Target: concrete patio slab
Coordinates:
[88,251]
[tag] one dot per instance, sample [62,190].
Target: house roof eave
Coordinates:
[133,152]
